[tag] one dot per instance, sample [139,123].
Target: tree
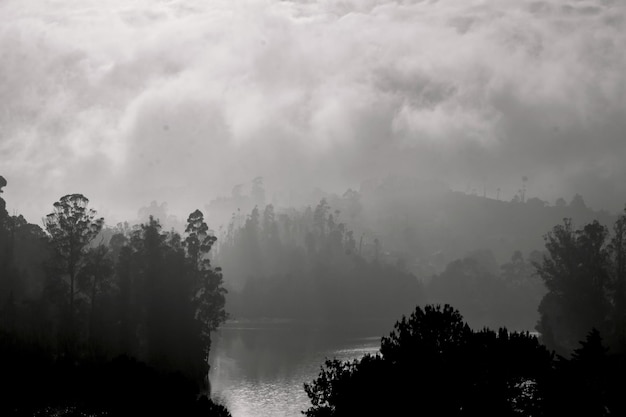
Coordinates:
[428,332]
[575,271]
[473,286]
[434,364]
[249,239]
[590,384]
[72,226]
[127,308]
[617,250]
[560,203]
[94,279]
[578,204]
[258,192]
[7,232]
[198,241]
[320,217]
[208,293]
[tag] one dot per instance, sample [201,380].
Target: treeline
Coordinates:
[578,282]
[398,226]
[489,294]
[112,320]
[426,225]
[432,363]
[308,265]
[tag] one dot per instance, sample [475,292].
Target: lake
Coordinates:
[258,369]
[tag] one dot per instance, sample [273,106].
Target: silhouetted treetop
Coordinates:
[434,364]
[431,331]
[591,349]
[72,226]
[198,240]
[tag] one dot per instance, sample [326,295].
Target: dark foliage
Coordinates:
[35,382]
[433,364]
[584,272]
[96,320]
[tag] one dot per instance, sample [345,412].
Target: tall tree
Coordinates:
[258,192]
[94,279]
[72,226]
[575,271]
[617,249]
[208,292]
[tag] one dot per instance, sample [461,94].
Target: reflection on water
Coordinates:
[259,369]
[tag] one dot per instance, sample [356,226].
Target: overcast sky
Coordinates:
[129,101]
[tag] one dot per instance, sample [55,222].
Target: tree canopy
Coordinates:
[583,270]
[432,363]
[114,320]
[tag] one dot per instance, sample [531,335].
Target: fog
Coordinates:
[217,206]
[177,101]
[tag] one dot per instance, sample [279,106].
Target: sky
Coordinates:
[132,101]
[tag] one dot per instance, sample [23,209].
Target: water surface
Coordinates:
[258,369]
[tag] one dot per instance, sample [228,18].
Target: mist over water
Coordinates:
[143,100]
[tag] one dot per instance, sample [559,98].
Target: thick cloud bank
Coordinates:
[129,101]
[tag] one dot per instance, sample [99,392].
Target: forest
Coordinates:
[116,319]
[112,323]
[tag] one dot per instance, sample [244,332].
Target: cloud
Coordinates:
[130,101]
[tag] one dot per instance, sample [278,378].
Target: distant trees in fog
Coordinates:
[308,265]
[427,225]
[488,294]
[578,283]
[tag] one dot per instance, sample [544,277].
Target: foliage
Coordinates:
[306,265]
[37,383]
[121,326]
[491,296]
[583,270]
[434,364]
[71,227]
[208,295]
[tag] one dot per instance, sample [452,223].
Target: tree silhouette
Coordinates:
[434,364]
[575,273]
[72,226]
[146,301]
[258,192]
[617,250]
[208,292]
[585,273]
[93,279]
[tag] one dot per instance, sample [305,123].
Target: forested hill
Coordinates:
[426,225]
